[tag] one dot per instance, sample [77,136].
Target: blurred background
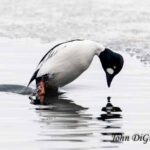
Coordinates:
[122,25]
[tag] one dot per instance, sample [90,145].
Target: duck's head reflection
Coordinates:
[112,112]
[112,125]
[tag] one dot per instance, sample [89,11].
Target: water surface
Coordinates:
[70,122]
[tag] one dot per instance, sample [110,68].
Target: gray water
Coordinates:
[70,122]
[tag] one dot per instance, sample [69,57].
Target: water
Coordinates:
[28,29]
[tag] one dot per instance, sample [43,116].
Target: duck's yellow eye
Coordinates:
[114,67]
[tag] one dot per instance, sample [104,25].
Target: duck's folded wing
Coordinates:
[51,52]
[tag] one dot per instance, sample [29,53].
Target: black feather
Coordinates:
[33,77]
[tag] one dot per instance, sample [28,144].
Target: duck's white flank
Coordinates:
[67,61]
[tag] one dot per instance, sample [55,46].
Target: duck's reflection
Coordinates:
[62,120]
[60,104]
[112,112]
[112,127]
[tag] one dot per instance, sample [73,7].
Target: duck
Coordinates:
[66,61]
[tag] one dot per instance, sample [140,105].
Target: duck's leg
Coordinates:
[45,91]
[41,91]
[38,96]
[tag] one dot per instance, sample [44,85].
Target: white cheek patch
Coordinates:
[110,70]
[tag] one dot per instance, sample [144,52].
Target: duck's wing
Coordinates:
[51,52]
[48,55]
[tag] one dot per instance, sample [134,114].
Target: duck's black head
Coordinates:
[112,63]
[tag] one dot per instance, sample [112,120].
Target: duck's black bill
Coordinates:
[109,79]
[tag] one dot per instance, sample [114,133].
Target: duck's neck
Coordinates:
[99,48]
